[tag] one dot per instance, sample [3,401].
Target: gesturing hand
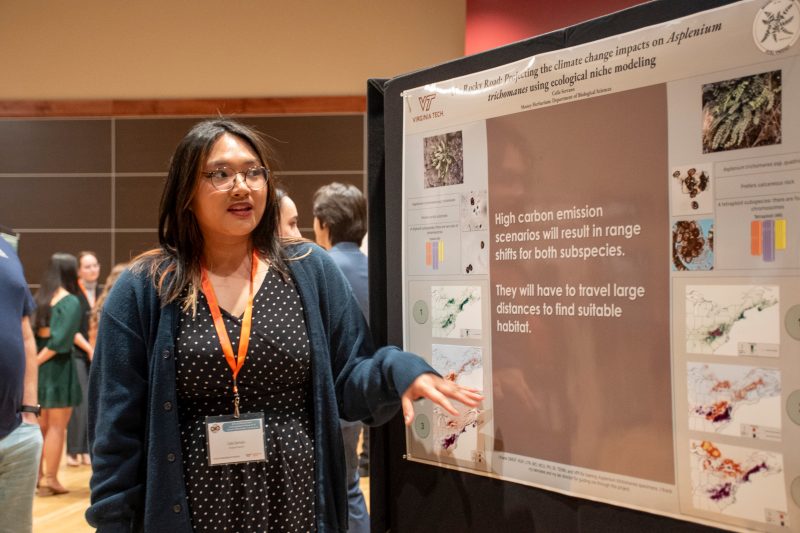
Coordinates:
[439,391]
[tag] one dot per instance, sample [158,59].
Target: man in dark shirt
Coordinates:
[340,223]
[20,437]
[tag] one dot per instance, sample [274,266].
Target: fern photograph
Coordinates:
[742,112]
[444,160]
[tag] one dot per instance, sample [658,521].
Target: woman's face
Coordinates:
[89,269]
[234,214]
[288,226]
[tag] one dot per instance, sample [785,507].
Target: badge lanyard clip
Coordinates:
[236,363]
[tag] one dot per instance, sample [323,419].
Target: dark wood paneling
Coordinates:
[56,108]
[325,136]
[332,142]
[55,146]
[209,106]
[324,142]
[146,144]
[35,250]
[129,245]
[136,201]
[63,202]
[301,189]
[242,106]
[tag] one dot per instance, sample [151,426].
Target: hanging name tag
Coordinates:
[236,440]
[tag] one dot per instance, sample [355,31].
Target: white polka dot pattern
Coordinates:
[276,379]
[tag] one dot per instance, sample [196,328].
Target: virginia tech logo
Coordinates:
[777,26]
[426,101]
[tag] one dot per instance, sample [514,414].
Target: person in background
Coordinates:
[57,320]
[20,437]
[288,215]
[340,223]
[88,276]
[77,429]
[116,271]
[225,326]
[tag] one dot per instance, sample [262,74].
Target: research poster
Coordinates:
[605,240]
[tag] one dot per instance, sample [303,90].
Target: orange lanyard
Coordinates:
[236,363]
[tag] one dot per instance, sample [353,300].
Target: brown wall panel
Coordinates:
[49,146]
[303,142]
[129,245]
[137,199]
[146,144]
[63,202]
[301,188]
[314,149]
[330,142]
[35,250]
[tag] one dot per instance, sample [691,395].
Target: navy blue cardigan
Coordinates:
[137,481]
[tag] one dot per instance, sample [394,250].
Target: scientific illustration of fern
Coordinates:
[444,159]
[742,113]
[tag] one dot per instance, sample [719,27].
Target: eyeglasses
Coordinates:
[224,178]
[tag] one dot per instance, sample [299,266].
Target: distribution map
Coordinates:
[722,474]
[724,397]
[462,365]
[456,311]
[720,317]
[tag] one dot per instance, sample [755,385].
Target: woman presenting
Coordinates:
[224,359]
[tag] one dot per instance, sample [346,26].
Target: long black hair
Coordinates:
[62,271]
[175,265]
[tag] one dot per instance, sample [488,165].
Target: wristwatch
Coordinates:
[35,409]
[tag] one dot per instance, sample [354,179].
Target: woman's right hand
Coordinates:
[440,391]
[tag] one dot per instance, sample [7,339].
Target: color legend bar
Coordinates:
[755,237]
[767,237]
[434,254]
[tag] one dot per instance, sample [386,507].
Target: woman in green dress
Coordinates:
[57,319]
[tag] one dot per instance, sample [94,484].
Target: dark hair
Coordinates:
[111,279]
[84,253]
[343,209]
[62,271]
[175,266]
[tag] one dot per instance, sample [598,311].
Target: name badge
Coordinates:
[235,440]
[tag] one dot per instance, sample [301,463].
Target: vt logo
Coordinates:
[425,101]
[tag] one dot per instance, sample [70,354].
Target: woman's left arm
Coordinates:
[81,342]
[371,384]
[440,391]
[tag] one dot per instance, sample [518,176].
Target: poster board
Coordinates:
[618,274]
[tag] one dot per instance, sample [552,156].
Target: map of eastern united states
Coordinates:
[715,400]
[714,311]
[462,365]
[454,308]
[720,474]
[453,367]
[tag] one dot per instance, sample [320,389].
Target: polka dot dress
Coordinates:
[275,496]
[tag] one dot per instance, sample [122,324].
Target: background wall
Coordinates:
[94,184]
[92,178]
[126,49]
[491,24]
[64,185]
